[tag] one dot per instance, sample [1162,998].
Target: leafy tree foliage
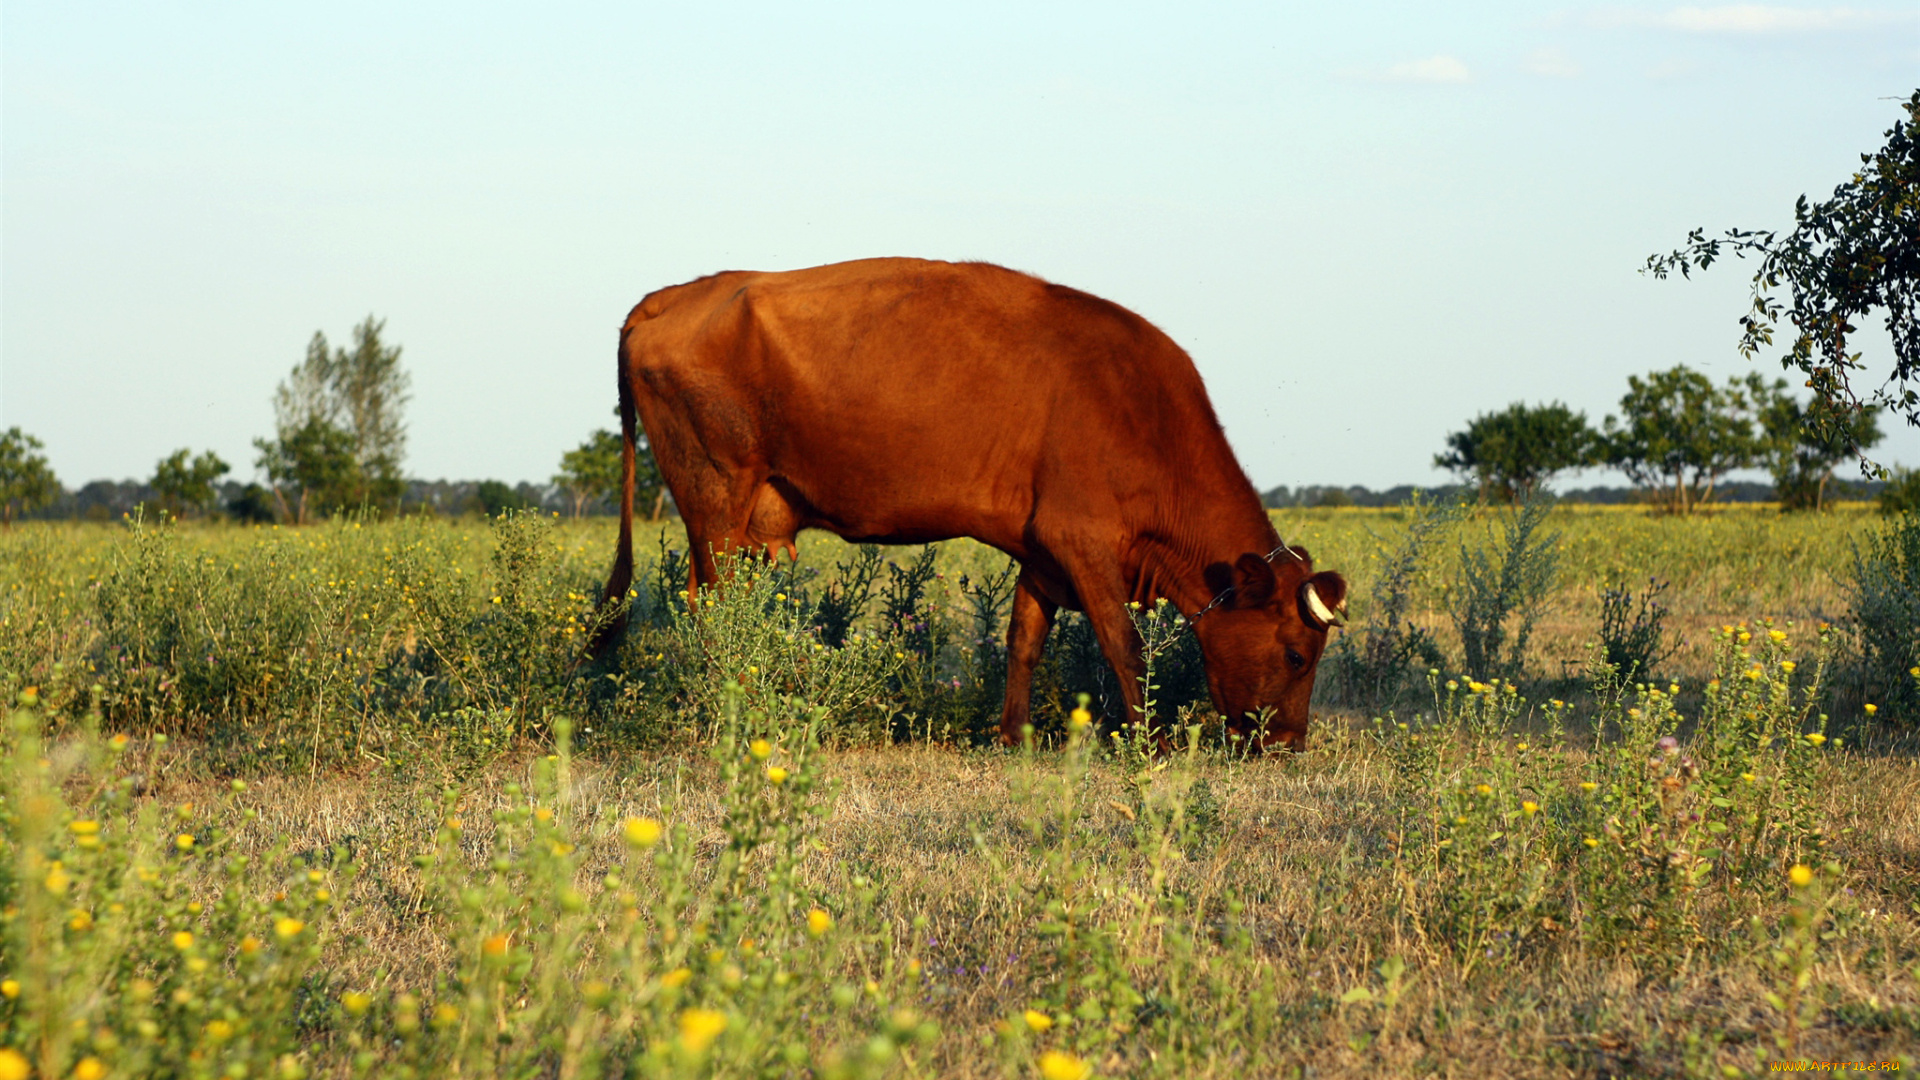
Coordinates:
[340,402]
[591,472]
[1845,258]
[1902,493]
[184,485]
[1511,453]
[26,480]
[497,497]
[1801,444]
[315,461]
[1678,433]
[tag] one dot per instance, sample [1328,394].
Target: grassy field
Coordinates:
[337,802]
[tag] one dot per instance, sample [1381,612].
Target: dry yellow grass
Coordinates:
[1308,842]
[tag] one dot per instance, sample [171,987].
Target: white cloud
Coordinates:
[1434,69]
[1750,19]
[1552,64]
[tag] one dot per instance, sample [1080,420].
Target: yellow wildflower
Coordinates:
[1800,876]
[776,775]
[1591,842]
[83,828]
[761,749]
[494,947]
[1777,636]
[1588,785]
[1484,789]
[183,940]
[818,922]
[218,1030]
[1530,807]
[1038,1021]
[1059,1065]
[10,989]
[699,1027]
[13,1066]
[286,929]
[89,1068]
[1816,738]
[1871,708]
[1079,718]
[642,832]
[676,977]
[184,841]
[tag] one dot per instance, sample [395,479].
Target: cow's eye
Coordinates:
[1295,660]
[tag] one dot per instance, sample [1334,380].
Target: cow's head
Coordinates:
[1262,642]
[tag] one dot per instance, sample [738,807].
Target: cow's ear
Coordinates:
[1323,600]
[1253,581]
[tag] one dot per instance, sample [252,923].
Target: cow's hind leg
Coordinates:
[1027,629]
[763,523]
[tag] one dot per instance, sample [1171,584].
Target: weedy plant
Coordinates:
[1632,629]
[1500,587]
[1643,847]
[1392,649]
[117,960]
[1884,587]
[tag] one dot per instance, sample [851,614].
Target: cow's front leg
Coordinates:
[1027,630]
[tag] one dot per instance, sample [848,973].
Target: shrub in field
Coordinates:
[762,633]
[1902,493]
[1885,591]
[1646,845]
[1499,589]
[335,643]
[1392,649]
[1631,629]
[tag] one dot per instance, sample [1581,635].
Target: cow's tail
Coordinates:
[615,604]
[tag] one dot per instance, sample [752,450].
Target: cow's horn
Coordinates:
[1319,608]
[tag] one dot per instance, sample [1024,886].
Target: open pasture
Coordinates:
[335,801]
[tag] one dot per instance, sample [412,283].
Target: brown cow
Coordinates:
[900,401]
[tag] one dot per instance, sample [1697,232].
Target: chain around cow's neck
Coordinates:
[1228,591]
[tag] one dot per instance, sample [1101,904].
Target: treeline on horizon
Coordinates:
[111,500]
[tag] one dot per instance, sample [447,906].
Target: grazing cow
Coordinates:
[901,401]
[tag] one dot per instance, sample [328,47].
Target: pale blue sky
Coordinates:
[1367,222]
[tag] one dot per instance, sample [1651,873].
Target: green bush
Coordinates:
[1884,588]
[1499,589]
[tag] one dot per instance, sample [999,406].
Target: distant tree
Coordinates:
[1678,433]
[1512,453]
[1801,444]
[497,497]
[1902,493]
[1857,252]
[361,393]
[26,480]
[316,462]
[253,504]
[184,485]
[592,471]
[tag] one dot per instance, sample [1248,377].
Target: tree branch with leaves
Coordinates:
[1846,258]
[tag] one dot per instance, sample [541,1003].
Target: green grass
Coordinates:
[771,856]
